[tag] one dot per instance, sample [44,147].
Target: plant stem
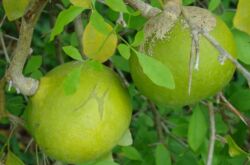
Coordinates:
[27,86]
[212,134]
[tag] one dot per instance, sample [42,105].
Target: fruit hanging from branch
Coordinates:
[174,38]
[80,126]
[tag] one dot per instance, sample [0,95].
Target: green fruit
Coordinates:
[174,52]
[82,126]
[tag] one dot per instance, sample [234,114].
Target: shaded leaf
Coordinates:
[64,18]
[241,19]
[15,9]
[126,139]
[72,81]
[12,159]
[131,153]
[240,99]
[73,53]
[187,2]
[162,156]
[33,64]
[197,129]
[117,5]
[156,71]
[124,50]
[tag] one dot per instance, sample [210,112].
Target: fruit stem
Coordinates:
[27,86]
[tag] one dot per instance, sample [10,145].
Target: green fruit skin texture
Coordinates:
[174,52]
[78,128]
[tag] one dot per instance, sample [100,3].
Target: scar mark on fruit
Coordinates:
[99,99]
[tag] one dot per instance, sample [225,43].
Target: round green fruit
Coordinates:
[82,126]
[174,52]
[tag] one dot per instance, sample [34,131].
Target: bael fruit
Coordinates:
[173,50]
[82,126]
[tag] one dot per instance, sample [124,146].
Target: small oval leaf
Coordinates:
[241,19]
[12,159]
[156,71]
[15,9]
[73,53]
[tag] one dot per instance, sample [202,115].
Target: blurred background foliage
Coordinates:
[184,138]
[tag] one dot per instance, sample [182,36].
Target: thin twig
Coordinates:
[146,10]
[157,121]
[1,23]
[234,110]
[27,86]
[79,32]
[212,134]
[225,54]
[7,58]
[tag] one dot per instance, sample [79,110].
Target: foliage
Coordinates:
[185,130]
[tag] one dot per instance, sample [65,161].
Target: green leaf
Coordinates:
[15,9]
[117,5]
[73,53]
[234,149]
[126,139]
[241,19]
[72,81]
[106,162]
[86,4]
[131,153]
[162,156]
[213,4]
[156,71]
[124,50]
[120,63]
[197,129]
[64,18]
[33,64]
[99,23]
[243,46]
[12,159]
[187,2]
[37,74]
[139,38]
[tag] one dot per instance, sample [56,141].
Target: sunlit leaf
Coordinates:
[82,3]
[73,53]
[234,149]
[242,16]
[124,50]
[72,81]
[139,38]
[98,45]
[243,46]
[156,71]
[64,18]
[126,139]
[117,5]
[15,9]
[131,153]
[213,4]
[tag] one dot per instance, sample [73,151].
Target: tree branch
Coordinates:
[225,54]
[146,10]
[27,86]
